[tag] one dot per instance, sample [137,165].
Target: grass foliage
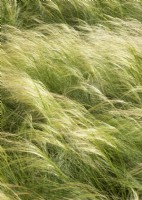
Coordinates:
[71,100]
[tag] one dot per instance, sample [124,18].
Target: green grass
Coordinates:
[71,100]
[29,13]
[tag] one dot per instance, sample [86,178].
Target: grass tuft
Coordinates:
[71,100]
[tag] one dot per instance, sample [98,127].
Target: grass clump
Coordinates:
[29,13]
[71,100]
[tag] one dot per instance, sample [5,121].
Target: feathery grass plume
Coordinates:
[71,100]
[43,147]
[29,13]
[77,73]
[62,152]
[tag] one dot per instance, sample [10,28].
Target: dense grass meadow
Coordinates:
[71,100]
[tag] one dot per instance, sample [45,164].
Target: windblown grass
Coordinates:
[29,13]
[71,90]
